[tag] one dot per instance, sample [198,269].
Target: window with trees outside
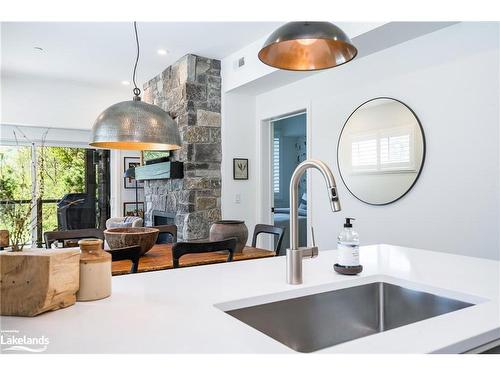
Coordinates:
[34,178]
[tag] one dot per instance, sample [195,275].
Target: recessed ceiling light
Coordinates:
[125,83]
[162,52]
[40,49]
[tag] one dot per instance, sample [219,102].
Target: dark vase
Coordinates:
[224,229]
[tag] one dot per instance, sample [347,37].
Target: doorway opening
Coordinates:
[288,150]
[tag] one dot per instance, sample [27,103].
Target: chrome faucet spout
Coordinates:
[295,254]
[294,188]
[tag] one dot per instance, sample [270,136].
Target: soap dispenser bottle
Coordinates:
[348,250]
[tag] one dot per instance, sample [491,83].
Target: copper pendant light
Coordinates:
[305,46]
[135,125]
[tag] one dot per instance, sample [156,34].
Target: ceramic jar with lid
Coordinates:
[224,229]
[95,271]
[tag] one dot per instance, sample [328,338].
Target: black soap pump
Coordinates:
[348,250]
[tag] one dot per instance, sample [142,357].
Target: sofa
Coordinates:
[124,222]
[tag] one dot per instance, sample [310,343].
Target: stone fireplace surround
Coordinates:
[190,90]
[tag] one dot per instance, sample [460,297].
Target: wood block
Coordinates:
[35,281]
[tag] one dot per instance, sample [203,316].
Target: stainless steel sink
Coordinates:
[318,321]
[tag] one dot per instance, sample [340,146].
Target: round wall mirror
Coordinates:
[381,151]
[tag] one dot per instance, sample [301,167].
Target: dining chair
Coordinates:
[73,234]
[182,248]
[165,231]
[269,229]
[132,253]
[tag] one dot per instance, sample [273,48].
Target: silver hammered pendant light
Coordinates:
[135,125]
[306,46]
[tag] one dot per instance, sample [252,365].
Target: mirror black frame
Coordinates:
[424,151]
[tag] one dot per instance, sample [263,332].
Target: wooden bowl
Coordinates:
[124,237]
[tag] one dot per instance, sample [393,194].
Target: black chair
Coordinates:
[132,253]
[182,248]
[269,229]
[75,234]
[165,231]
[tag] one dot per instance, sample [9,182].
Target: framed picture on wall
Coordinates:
[131,162]
[130,209]
[240,169]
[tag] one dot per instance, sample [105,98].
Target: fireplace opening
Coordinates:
[163,218]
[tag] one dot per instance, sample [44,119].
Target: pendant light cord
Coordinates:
[137,90]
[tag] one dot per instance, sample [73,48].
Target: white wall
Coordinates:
[118,192]
[454,89]
[234,75]
[49,102]
[238,132]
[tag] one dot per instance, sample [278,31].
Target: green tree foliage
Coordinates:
[15,184]
[15,173]
[61,170]
[7,188]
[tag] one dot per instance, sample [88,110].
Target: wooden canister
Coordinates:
[95,271]
[4,238]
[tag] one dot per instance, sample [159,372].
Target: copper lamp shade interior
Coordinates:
[307,46]
[135,125]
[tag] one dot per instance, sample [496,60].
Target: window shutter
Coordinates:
[276,165]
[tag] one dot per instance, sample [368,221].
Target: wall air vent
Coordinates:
[239,63]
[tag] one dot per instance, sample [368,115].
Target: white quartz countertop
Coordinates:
[178,311]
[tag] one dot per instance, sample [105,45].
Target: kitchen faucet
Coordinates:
[295,253]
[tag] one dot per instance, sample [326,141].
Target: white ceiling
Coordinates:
[103,53]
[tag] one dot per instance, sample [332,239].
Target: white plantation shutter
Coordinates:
[364,153]
[390,150]
[395,149]
[276,165]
